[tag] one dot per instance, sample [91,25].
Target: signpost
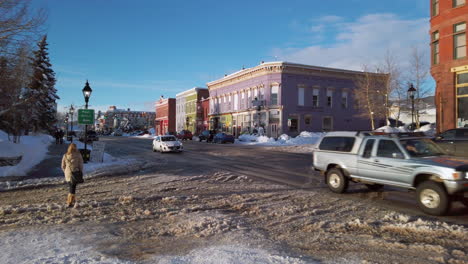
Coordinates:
[86,116]
[97,155]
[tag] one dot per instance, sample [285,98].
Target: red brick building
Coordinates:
[165,116]
[205,111]
[449,60]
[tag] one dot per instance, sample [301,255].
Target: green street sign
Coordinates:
[86,116]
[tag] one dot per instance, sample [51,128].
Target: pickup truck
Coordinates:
[405,161]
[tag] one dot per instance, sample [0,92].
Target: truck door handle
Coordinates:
[376,160]
[450,142]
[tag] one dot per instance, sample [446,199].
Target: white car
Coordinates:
[167,144]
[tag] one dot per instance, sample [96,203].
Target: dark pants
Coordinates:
[72,187]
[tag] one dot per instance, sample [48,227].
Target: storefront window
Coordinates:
[462,99]
[293,124]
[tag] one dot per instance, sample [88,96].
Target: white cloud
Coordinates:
[363,41]
[329,19]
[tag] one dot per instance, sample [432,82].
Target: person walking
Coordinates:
[72,162]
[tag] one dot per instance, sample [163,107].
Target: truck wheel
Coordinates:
[432,198]
[336,181]
[374,187]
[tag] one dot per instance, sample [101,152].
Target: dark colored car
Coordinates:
[223,138]
[142,133]
[207,135]
[185,135]
[171,134]
[412,126]
[92,136]
[454,141]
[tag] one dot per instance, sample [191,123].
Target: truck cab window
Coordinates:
[386,149]
[368,148]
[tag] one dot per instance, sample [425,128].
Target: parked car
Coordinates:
[185,135]
[167,143]
[223,138]
[413,163]
[206,135]
[117,133]
[142,133]
[454,141]
[91,136]
[412,126]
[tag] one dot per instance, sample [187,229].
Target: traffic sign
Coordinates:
[86,116]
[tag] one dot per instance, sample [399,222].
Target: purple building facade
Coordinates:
[285,98]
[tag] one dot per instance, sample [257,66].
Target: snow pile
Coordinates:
[57,245]
[230,254]
[33,150]
[305,138]
[429,129]
[389,129]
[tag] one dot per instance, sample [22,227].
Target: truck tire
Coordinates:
[374,187]
[336,181]
[433,198]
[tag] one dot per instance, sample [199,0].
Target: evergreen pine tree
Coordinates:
[41,91]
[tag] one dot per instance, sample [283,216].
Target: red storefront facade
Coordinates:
[449,61]
[205,111]
[165,116]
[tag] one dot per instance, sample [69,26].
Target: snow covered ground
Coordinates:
[222,217]
[32,148]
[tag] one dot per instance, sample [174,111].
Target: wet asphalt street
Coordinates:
[293,169]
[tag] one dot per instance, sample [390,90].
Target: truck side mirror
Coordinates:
[397,156]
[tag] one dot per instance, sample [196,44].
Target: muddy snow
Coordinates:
[219,217]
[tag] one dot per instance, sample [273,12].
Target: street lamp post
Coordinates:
[86,93]
[411,92]
[72,110]
[67,116]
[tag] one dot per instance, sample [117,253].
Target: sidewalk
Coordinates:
[49,167]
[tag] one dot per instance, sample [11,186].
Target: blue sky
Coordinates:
[134,51]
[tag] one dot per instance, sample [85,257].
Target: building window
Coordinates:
[435,7]
[344,99]
[459,40]
[327,123]
[293,123]
[315,97]
[236,101]
[262,93]
[307,120]
[435,47]
[329,98]
[300,96]
[457,3]
[274,95]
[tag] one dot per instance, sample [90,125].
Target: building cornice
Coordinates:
[281,67]
[190,91]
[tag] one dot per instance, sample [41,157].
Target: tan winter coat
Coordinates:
[70,163]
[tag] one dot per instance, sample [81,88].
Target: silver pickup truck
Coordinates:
[405,161]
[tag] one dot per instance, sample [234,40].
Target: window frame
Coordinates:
[458,34]
[330,98]
[316,97]
[435,51]
[454,4]
[435,8]
[300,96]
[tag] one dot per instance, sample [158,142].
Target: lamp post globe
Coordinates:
[411,93]
[87,92]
